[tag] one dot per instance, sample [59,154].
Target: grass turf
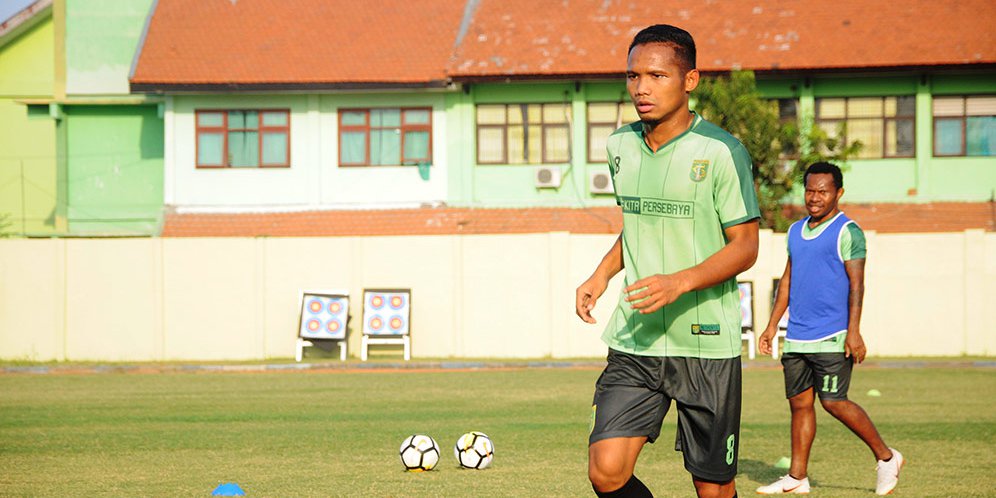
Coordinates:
[337,433]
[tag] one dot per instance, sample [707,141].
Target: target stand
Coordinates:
[324,315]
[386,320]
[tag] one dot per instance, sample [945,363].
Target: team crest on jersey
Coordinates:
[700,167]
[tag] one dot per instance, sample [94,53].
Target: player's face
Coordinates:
[656,82]
[822,196]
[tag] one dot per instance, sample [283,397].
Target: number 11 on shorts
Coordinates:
[829,383]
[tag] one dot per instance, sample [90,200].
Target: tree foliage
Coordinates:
[780,150]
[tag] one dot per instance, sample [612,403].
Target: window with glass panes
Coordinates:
[965,125]
[385,137]
[788,113]
[523,133]
[243,138]
[884,125]
[603,119]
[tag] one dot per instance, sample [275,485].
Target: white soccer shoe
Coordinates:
[888,473]
[786,485]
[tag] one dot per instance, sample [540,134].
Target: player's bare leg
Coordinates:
[710,489]
[611,462]
[803,432]
[856,419]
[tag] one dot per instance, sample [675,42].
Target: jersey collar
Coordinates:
[818,229]
[695,122]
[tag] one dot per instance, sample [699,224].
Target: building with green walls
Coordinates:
[85,156]
[28,174]
[919,91]
[521,98]
[147,110]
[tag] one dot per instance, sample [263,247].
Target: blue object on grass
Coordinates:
[228,489]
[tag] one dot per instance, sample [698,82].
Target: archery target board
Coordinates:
[323,316]
[386,312]
[746,304]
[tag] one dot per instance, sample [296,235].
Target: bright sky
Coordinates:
[10,7]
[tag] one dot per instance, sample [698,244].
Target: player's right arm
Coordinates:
[777,310]
[589,292]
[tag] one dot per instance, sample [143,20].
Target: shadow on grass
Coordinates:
[765,473]
[759,471]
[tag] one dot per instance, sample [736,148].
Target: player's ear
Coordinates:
[691,80]
[840,193]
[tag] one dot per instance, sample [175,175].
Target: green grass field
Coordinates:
[337,433]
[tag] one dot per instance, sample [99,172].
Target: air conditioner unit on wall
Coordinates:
[548,177]
[600,182]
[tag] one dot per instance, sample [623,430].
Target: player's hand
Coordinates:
[586,297]
[764,342]
[854,347]
[650,294]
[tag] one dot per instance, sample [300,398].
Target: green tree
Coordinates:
[781,150]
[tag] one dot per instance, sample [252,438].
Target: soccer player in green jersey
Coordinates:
[822,287]
[689,227]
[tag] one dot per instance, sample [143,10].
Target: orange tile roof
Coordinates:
[590,37]
[937,217]
[247,42]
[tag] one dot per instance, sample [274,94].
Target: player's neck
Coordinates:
[658,133]
[815,222]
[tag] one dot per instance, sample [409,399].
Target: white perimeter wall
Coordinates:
[482,296]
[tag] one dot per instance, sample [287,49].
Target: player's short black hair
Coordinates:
[680,40]
[825,167]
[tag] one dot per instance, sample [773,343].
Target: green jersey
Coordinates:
[676,203]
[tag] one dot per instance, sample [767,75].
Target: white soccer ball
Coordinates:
[419,453]
[474,450]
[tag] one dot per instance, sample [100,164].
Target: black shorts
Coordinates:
[634,393]
[828,373]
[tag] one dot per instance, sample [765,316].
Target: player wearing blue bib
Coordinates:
[822,288]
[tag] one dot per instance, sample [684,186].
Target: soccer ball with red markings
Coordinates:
[474,450]
[419,453]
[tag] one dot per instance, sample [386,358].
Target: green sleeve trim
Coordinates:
[739,221]
[852,242]
[745,168]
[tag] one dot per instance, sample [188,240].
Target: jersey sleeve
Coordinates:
[612,175]
[733,188]
[852,242]
[612,156]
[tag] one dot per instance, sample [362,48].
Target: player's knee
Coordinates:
[835,407]
[800,405]
[606,475]
[712,493]
[712,489]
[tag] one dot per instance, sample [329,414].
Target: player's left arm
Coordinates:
[853,250]
[854,345]
[736,207]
